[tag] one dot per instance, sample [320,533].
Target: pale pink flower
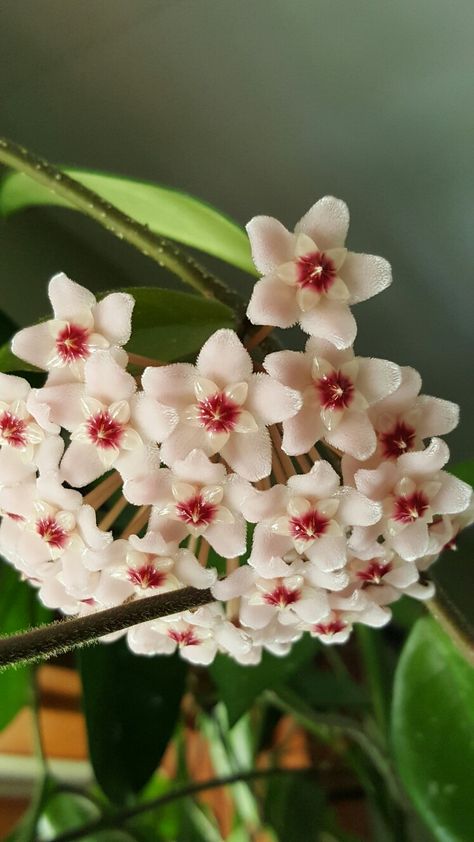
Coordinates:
[333,629]
[338,389]
[101,415]
[309,276]
[197,497]
[80,326]
[223,406]
[23,420]
[191,633]
[384,578]
[413,490]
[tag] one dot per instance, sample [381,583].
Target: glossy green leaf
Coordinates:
[19,609]
[433,731]
[239,686]
[167,212]
[464,471]
[131,704]
[68,811]
[166,325]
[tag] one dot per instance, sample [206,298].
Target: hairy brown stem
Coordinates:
[55,638]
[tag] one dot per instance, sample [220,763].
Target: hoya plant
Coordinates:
[213,513]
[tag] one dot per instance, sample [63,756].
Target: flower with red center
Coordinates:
[335,391]
[374,572]
[184,637]
[52,532]
[331,628]
[196,511]
[316,270]
[282,596]
[308,526]
[72,343]
[218,413]
[105,431]
[13,430]
[397,441]
[147,576]
[409,508]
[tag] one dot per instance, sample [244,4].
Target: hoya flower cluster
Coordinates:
[222,466]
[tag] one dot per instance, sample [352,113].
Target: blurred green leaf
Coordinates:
[167,212]
[167,325]
[324,689]
[433,731]
[295,808]
[131,704]
[464,471]
[239,686]
[19,609]
[65,811]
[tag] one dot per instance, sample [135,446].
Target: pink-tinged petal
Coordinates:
[377,378]
[302,431]
[270,401]
[326,223]
[236,490]
[94,537]
[330,320]
[13,388]
[412,542]
[189,571]
[137,462]
[249,454]
[81,464]
[53,594]
[267,545]
[153,488]
[438,417]
[289,367]
[322,349]
[313,608]
[144,640]
[198,469]
[228,539]
[13,469]
[18,499]
[260,505]
[454,496]
[365,275]
[153,542]
[256,616]
[373,615]
[152,420]
[322,481]
[422,591]
[273,303]
[328,552]
[402,576]
[112,591]
[270,241]
[201,654]
[68,298]
[106,380]
[32,549]
[64,403]
[49,454]
[172,385]
[406,393]
[425,462]
[357,510]
[113,317]
[223,359]
[41,412]
[182,441]
[34,344]
[378,483]
[354,434]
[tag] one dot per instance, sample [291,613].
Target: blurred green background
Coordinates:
[261,106]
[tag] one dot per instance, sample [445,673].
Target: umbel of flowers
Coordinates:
[231,447]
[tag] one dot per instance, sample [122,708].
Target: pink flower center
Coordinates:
[184,638]
[196,511]
[308,526]
[335,391]
[410,508]
[13,429]
[72,343]
[104,431]
[146,576]
[374,572]
[218,414]
[330,628]
[398,441]
[282,597]
[316,271]
[51,532]
[14,517]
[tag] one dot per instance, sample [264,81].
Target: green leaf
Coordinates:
[464,471]
[131,704]
[65,811]
[294,807]
[167,212]
[432,731]
[166,325]
[324,689]
[239,686]
[19,609]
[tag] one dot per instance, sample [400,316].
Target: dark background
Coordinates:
[261,106]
